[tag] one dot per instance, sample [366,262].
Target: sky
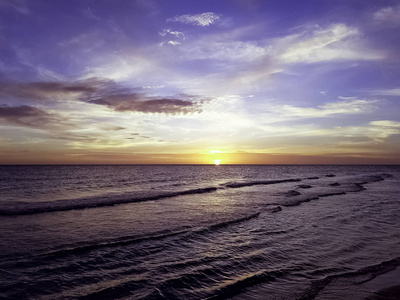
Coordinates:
[190,82]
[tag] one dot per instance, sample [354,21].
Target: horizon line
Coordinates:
[200,164]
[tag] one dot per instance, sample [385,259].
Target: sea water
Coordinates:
[197,231]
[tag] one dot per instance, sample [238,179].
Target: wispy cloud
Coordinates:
[388,15]
[166,32]
[89,13]
[17,5]
[336,42]
[341,107]
[172,43]
[384,129]
[236,65]
[204,19]
[26,59]
[276,113]
[387,92]
[46,90]
[128,65]
[237,50]
[386,123]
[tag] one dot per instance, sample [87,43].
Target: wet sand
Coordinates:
[391,293]
[382,286]
[385,286]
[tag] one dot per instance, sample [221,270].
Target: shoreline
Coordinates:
[390,293]
[385,286]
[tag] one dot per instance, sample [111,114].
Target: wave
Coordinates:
[185,231]
[294,198]
[260,182]
[368,273]
[238,285]
[83,249]
[226,224]
[22,208]
[275,209]
[120,289]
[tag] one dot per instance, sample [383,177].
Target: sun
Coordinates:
[217,161]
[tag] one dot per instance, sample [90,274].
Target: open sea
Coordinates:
[198,231]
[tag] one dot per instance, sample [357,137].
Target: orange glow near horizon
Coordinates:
[99,157]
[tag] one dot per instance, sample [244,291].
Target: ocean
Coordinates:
[199,231]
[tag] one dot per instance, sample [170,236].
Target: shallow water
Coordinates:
[154,232]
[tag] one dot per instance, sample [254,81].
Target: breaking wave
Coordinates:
[295,197]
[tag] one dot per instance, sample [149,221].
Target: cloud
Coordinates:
[173,43]
[231,63]
[129,64]
[386,123]
[337,42]
[47,89]
[140,103]
[29,116]
[311,137]
[100,92]
[86,42]
[384,129]
[27,60]
[237,51]
[168,33]
[17,5]
[176,34]
[342,107]
[204,19]
[114,128]
[88,13]
[388,15]
[388,92]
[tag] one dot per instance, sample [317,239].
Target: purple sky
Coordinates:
[243,81]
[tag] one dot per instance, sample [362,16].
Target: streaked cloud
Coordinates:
[29,116]
[47,90]
[89,13]
[382,130]
[140,103]
[172,43]
[386,123]
[18,5]
[101,92]
[336,42]
[237,51]
[386,92]
[204,19]
[358,106]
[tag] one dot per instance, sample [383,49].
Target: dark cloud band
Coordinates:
[100,92]
[26,115]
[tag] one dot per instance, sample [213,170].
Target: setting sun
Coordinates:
[217,161]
